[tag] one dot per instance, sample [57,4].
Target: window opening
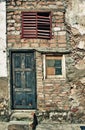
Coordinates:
[54,66]
[36,25]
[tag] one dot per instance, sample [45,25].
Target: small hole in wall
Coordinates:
[71,88]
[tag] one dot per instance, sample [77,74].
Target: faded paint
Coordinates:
[3,66]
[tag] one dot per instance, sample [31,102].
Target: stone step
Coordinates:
[55,126]
[18,125]
[21,116]
[45,125]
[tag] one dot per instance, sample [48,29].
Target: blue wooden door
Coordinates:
[23,80]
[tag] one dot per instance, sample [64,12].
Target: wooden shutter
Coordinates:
[29,25]
[36,25]
[43,25]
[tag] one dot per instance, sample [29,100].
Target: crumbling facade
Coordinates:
[45,61]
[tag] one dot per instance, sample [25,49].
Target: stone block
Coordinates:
[59,3]
[59,24]
[80,65]
[60,21]
[81,45]
[59,13]
[18,127]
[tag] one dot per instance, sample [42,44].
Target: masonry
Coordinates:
[58,95]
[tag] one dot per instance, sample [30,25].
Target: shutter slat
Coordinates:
[28,22]
[29,32]
[43,22]
[43,30]
[29,36]
[48,20]
[29,19]
[44,17]
[29,28]
[29,25]
[43,34]
[29,13]
[27,16]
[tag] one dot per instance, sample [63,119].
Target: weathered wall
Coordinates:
[3,63]
[65,96]
[75,15]
[3,72]
[50,92]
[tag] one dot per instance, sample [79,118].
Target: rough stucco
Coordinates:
[75,14]
[3,67]
[3,63]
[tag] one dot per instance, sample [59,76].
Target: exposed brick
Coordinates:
[34,45]
[60,21]
[61,38]
[43,44]
[53,45]
[59,24]
[11,40]
[11,37]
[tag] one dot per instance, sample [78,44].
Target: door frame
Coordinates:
[11,76]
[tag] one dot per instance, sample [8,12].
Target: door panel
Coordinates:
[29,82]
[17,79]
[24,80]
[23,99]
[17,61]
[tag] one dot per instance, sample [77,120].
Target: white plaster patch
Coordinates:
[81,45]
[62,33]
[82,80]
[3,65]
[57,28]
[82,8]
[80,28]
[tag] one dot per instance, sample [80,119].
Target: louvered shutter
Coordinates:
[44,25]
[36,25]
[29,25]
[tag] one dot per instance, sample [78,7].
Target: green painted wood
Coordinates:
[24,80]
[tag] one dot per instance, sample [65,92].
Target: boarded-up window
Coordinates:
[54,65]
[36,25]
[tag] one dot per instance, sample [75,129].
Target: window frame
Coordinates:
[36,16]
[45,75]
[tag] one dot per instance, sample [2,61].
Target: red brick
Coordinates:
[62,39]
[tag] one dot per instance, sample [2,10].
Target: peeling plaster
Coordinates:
[75,15]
